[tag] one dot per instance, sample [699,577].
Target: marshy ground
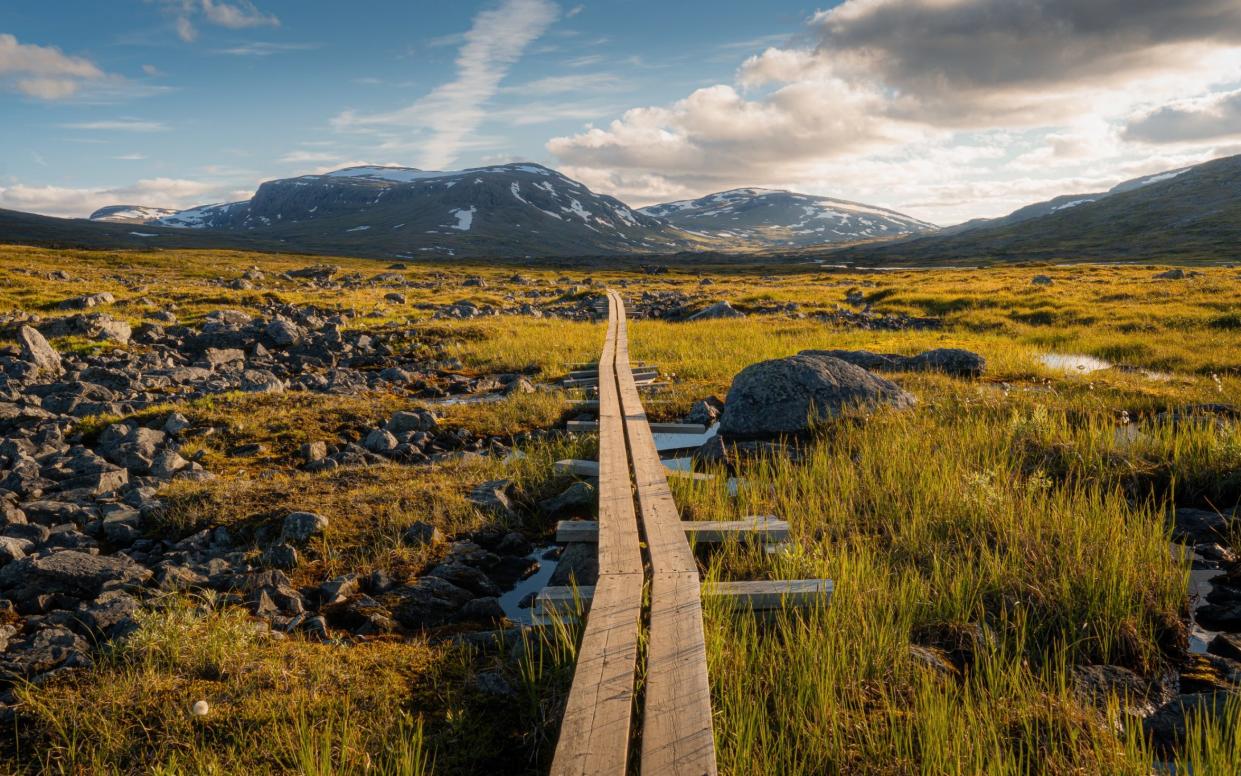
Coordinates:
[1009,597]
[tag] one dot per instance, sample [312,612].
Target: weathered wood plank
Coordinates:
[595,729]
[581,468]
[759,596]
[677,735]
[692,429]
[765,528]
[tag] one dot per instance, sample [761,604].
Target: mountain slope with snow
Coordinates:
[502,210]
[130,214]
[777,218]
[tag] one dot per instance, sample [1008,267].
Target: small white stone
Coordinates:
[200,709]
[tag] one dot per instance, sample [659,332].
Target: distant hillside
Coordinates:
[401,212]
[772,218]
[1187,214]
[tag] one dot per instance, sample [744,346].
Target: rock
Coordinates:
[784,396]
[37,351]
[395,298]
[705,411]
[314,451]
[579,564]
[87,301]
[340,588]
[933,660]
[419,420]
[520,385]
[485,609]
[494,683]
[716,311]
[99,326]
[466,577]
[428,602]
[51,648]
[175,424]
[73,573]
[1097,684]
[283,333]
[1041,280]
[299,527]
[380,441]
[1196,526]
[281,556]
[12,549]
[950,361]
[1226,645]
[422,534]
[1168,726]
[1172,274]
[578,497]
[492,496]
[167,463]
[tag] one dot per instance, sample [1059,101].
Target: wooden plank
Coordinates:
[771,594]
[677,735]
[594,732]
[765,528]
[580,468]
[691,429]
[758,596]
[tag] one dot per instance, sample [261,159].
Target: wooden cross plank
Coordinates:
[764,528]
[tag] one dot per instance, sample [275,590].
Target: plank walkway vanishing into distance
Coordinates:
[676,735]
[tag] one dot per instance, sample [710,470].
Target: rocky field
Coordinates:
[267,513]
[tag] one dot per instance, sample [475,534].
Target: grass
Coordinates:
[984,545]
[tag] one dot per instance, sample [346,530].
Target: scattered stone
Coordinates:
[1172,274]
[37,351]
[422,534]
[1041,280]
[578,497]
[299,527]
[493,496]
[716,311]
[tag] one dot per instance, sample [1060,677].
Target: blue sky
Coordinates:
[946,110]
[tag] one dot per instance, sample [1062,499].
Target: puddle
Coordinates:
[532,584]
[450,401]
[1083,364]
[666,442]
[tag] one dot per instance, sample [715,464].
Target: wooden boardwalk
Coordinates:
[636,510]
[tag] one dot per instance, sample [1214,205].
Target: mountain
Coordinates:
[403,212]
[1062,202]
[1185,214]
[777,218]
[130,214]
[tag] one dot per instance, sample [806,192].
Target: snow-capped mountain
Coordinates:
[502,210]
[776,218]
[130,214]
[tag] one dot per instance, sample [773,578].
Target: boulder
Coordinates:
[87,301]
[716,311]
[785,395]
[421,534]
[1172,274]
[37,351]
[428,602]
[950,361]
[299,527]
[380,441]
[72,573]
[579,497]
[1041,280]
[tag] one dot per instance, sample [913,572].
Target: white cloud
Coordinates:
[264,49]
[1206,117]
[80,202]
[135,157]
[119,125]
[1012,100]
[44,72]
[452,112]
[308,156]
[237,16]
[564,84]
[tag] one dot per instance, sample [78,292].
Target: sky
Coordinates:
[942,109]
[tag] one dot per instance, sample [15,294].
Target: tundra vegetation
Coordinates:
[1009,597]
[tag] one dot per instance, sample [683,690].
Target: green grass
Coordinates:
[1002,526]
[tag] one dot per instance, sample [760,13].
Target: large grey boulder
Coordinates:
[949,361]
[37,351]
[785,395]
[716,311]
